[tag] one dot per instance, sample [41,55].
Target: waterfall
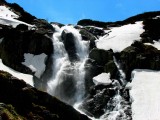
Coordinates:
[120,106]
[67,82]
[122,74]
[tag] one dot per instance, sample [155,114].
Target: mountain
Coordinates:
[92,70]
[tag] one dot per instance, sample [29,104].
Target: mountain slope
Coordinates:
[88,66]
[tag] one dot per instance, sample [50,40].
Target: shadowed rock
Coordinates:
[32,103]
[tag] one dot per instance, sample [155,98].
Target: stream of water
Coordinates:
[67,81]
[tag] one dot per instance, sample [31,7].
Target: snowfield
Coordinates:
[120,37]
[26,77]
[36,63]
[5,12]
[7,17]
[145,93]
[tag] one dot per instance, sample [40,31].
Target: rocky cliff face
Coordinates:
[29,103]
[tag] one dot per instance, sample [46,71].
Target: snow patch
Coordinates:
[13,22]
[26,77]
[5,12]
[120,37]
[145,94]
[155,44]
[103,78]
[7,17]
[36,63]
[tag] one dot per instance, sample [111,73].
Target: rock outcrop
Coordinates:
[152,30]
[139,56]
[20,40]
[99,61]
[30,103]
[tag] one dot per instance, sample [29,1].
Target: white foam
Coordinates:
[120,37]
[36,63]
[26,77]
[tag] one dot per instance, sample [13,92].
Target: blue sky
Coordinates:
[70,11]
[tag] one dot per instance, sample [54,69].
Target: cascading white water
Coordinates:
[122,74]
[68,76]
[66,73]
[119,103]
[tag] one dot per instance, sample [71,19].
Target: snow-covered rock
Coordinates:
[145,94]
[120,37]
[26,77]
[155,44]
[103,78]
[7,17]
[36,63]
[5,12]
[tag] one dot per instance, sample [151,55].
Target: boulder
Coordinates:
[139,56]
[87,35]
[69,44]
[43,27]
[111,68]
[22,27]
[101,56]
[152,30]
[92,70]
[97,100]
[33,104]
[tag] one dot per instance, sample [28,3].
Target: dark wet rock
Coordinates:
[92,69]
[139,56]
[43,27]
[69,44]
[22,27]
[101,56]
[95,103]
[111,68]
[87,35]
[31,103]
[95,31]
[95,65]
[17,41]
[152,30]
